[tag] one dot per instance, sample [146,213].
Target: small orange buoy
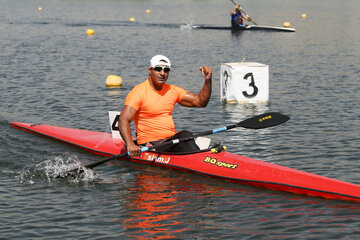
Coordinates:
[287,24]
[303,15]
[90,32]
[113,81]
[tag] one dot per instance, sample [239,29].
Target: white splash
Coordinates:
[188,26]
[58,168]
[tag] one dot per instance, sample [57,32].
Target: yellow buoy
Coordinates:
[90,32]
[39,8]
[132,19]
[113,81]
[148,11]
[287,24]
[303,15]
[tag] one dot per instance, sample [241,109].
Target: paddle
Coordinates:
[246,15]
[264,120]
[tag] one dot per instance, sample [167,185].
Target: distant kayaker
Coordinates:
[150,105]
[237,15]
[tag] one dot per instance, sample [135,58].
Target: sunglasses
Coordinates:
[159,69]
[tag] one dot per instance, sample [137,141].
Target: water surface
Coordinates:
[51,72]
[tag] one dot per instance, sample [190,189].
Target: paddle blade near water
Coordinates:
[264,120]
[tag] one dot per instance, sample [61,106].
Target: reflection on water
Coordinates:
[238,112]
[113,92]
[164,204]
[154,208]
[249,142]
[163,200]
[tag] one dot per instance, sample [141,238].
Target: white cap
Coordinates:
[160,60]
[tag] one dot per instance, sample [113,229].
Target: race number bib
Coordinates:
[114,124]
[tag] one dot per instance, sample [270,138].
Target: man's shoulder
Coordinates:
[179,90]
[140,85]
[173,86]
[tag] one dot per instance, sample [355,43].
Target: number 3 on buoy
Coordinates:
[244,82]
[251,85]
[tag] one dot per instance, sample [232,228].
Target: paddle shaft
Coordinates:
[257,122]
[172,142]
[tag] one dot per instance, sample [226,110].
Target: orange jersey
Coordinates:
[153,119]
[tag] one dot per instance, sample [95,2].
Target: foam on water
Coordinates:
[63,167]
[188,26]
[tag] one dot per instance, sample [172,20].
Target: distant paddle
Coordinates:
[245,14]
[264,120]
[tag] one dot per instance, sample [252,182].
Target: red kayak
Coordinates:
[216,163]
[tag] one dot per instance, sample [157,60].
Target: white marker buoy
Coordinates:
[244,82]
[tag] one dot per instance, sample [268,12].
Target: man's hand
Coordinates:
[133,150]
[206,71]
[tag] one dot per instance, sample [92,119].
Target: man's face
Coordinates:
[159,74]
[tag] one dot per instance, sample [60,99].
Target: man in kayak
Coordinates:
[237,15]
[150,105]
